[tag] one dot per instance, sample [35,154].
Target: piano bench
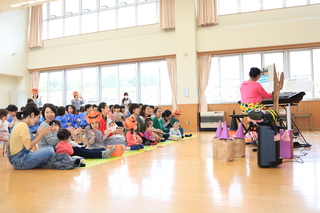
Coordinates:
[303,116]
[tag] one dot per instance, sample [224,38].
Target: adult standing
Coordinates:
[252,92]
[20,155]
[126,100]
[77,100]
[35,97]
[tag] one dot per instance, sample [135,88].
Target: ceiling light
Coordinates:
[31,3]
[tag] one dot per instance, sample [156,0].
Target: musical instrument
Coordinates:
[286,97]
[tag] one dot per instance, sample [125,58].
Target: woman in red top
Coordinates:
[104,110]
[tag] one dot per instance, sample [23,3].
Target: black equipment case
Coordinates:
[268,149]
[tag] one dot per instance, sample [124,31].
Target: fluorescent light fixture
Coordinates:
[31,3]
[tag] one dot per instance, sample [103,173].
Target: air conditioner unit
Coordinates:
[209,120]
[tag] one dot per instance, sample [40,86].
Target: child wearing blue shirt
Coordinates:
[83,122]
[61,118]
[71,116]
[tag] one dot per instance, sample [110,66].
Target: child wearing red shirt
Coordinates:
[134,141]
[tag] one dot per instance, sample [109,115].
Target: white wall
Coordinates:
[14,75]
[293,25]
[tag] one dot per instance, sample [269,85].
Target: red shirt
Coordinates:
[64,147]
[103,126]
[131,138]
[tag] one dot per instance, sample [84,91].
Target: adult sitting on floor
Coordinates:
[157,124]
[49,112]
[19,154]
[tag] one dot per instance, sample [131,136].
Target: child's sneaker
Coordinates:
[108,152]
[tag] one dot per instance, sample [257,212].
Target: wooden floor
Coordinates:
[181,177]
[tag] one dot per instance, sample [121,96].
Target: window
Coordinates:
[272,4]
[90,84]
[107,20]
[146,14]
[72,7]
[229,78]
[250,5]
[300,67]
[55,88]
[128,80]
[213,88]
[109,84]
[126,17]
[229,71]
[150,92]
[250,60]
[228,7]
[43,87]
[300,64]
[274,58]
[107,3]
[240,6]
[71,26]
[164,84]
[291,3]
[74,17]
[316,71]
[146,82]
[55,28]
[73,83]
[89,23]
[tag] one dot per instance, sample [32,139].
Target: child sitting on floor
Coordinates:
[95,136]
[112,126]
[4,129]
[134,141]
[149,135]
[175,133]
[63,146]
[176,114]
[55,124]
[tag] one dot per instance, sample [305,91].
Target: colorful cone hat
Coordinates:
[239,133]
[225,132]
[219,129]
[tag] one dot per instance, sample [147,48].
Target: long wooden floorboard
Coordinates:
[181,177]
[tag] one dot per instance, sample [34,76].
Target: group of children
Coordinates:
[90,122]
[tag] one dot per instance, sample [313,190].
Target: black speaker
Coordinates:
[268,149]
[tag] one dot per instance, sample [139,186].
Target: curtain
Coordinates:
[35,27]
[207,12]
[167,14]
[204,73]
[35,77]
[172,71]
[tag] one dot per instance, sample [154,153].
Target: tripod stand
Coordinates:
[297,133]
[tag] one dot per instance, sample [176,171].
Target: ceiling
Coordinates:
[5,5]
